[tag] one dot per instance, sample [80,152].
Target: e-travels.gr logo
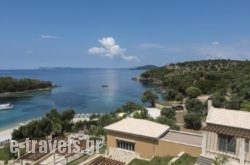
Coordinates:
[68,146]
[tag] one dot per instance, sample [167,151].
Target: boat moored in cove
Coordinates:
[6,106]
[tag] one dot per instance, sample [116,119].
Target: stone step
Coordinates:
[204,161]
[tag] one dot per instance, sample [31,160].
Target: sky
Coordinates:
[121,33]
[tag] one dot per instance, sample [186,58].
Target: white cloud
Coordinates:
[96,50]
[215,43]
[109,48]
[49,36]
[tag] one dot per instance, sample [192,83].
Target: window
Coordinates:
[226,143]
[247,145]
[125,145]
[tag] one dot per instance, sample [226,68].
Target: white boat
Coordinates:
[6,106]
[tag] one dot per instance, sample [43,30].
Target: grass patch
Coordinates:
[85,157]
[139,162]
[160,160]
[185,160]
[103,149]
[4,154]
[168,103]
[79,160]
[155,161]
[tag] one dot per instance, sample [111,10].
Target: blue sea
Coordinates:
[81,90]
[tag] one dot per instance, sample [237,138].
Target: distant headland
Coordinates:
[145,67]
[12,86]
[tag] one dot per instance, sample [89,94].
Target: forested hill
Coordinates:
[227,81]
[9,84]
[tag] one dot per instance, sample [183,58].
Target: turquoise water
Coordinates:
[80,90]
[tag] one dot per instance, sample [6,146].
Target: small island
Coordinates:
[10,85]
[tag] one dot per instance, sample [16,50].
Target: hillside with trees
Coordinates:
[226,81]
[9,84]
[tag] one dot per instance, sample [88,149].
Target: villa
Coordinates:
[227,134]
[137,138]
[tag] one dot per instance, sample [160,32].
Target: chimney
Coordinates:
[209,105]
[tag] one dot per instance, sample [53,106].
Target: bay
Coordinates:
[81,90]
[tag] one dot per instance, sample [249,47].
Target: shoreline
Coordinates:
[6,134]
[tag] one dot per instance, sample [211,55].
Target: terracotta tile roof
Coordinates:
[244,133]
[105,161]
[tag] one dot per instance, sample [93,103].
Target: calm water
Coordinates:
[80,89]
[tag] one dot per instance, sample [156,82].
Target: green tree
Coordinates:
[144,114]
[66,118]
[245,105]
[150,97]
[141,114]
[171,94]
[168,121]
[106,120]
[218,100]
[193,92]
[53,123]
[179,97]
[56,120]
[168,112]
[194,106]
[129,107]
[234,102]
[44,127]
[205,85]
[17,134]
[192,121]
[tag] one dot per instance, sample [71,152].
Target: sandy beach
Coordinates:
[6,134]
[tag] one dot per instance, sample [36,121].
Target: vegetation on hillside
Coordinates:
[9,84]
[227,81]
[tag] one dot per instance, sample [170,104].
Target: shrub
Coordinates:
[192,121]
[169,122]
[168,112]
[194,106]
[193,92]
